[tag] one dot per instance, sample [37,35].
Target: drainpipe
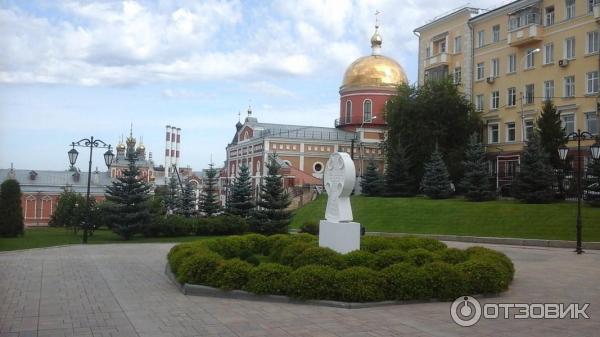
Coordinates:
[418,35]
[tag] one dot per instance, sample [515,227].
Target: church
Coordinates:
[367,85]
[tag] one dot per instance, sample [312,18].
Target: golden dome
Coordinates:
[121,146]
[374,71]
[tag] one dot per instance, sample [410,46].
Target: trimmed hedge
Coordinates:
[178,225]
[385,268]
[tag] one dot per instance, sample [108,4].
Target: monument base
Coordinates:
[343,237]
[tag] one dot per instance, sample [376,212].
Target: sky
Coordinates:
[74,69]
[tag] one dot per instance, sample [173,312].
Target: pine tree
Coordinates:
[209,199]
[436,180]
[11,213]
[551,133]
[240,201]
[172,195]
[187,202]
[372,182]
[398,182]
[129,196]
[272,216]
[475,181]
[534,180]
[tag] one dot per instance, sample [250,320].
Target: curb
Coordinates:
[498,241]
[206,291]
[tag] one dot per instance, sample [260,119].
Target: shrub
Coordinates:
[228,247]
[430,244]
[319,256]
[388,257]
[482,252]
[445,280]
[198,267]
[419,256]
[179,253]
[310,227]
[404,281]
[483,276]
[361,258]
[276,245]
[228,225]
[374,244]
[304,237]
[257,244]
[360,284]
[11,213]
[312,282]
[292,251]
[453,255]
[231,274]
[268,278]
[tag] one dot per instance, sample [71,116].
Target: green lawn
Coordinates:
[47,237]
[459,217]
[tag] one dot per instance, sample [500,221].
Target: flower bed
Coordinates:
[406,268]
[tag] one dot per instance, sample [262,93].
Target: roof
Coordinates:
[510,7]
[268,130]
[56,181]
[444,17]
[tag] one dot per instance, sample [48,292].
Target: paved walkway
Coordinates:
[120,290]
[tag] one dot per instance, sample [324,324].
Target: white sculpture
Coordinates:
[337,231]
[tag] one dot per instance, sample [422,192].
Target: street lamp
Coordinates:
[108,159]
[562,153]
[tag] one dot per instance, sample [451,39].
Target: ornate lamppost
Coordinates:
[595,152]
[108,158]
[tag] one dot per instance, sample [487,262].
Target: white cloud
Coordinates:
[270,89]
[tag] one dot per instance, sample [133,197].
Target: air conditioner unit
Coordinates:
[490,79]
[563,63]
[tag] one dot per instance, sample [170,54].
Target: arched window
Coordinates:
[367,110]
[258,168]
[348,118]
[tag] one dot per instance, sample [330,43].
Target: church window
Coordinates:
[348,119]
[367,111]
[318,167]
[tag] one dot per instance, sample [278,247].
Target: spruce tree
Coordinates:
[371,183]
[240,200]
[475,182]
[271,215]
[551,133]
[209,199]
[534,180]
[187,202]
[11,213]
[398,182]
[436,180]
[128,197]
[172,195]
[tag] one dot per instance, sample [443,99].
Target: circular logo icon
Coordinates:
[465,311]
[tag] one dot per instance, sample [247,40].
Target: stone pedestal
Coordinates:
[343,237]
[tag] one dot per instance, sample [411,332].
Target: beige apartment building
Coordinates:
[510,60]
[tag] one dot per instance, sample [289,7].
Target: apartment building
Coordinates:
[522,54]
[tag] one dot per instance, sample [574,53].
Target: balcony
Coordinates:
[436,60]
[526,34]
[597,12]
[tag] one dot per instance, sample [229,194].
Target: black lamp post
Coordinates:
[562,153]
[108,158]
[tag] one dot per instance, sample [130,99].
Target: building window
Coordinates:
[348,112]
[592,82]
[569,86]
[493,133]
[591,4]
[592,42]
[568,123]
[367,110]
[428,52]
[480,71]
[496,33]
[548,53]
[529,127]
[479,102]
[569,9]
[530,58]
[570,48]
[495,100]
[457,44]
[512,63]
[511,132]
[318,167]
[480,38]
[529,93]
[443,47]
[591,122]
[495,67]
[457,75]
[512,96]
[548,90]
[549,16]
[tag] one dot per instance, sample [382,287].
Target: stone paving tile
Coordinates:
[120,290]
